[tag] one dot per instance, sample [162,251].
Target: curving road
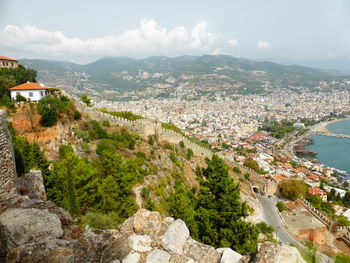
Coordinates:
[272,218]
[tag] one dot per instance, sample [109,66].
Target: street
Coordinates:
[272,218]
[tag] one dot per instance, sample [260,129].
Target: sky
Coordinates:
[82,31]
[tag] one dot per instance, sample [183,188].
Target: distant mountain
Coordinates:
[339,64]
[219,72]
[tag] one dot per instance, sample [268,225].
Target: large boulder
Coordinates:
[229,255]
[32,184]
[18,226]
[201,253]
[158,256]
[272,253]
[175,237]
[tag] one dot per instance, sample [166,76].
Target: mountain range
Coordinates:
[218,72]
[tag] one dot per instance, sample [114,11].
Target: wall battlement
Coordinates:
[144,127]
[8,175]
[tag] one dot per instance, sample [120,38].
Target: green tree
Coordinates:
[342,258]
[220,210]
[86,100]
[281,206]
[48,108]
[292,188]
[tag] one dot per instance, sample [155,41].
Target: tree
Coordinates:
[281,206]
[48,109]
[347,198]
[86,100]
[292,188]
[252,164]
[220,211]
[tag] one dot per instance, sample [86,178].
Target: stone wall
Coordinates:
[8,173]
[144,127]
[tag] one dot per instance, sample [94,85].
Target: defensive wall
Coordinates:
[144,127]
[8,173]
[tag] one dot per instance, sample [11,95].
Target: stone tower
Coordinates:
[8,173]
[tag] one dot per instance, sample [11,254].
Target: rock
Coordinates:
[272,253]
[229,255]
[48,250]
[146,222]
[158,256]
[32,184]
[18,226]
[119,248]
[201,253]
[132,258]
[175,237]
[140,243]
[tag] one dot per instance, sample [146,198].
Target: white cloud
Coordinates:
[232,42]
[149,38]
[262,44]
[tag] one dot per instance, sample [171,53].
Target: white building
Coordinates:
[31,91]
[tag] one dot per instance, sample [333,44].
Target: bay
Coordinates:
[333,151]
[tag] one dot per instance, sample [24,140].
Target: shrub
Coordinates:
[106,123]
[20,98]
[342,258]
[48,109]
[86,100]
[189,154]
[77,115]
[141,155]
[281,206]
[236,170]
[292,188]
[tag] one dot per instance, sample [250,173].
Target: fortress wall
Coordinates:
[8,175]
[144,127]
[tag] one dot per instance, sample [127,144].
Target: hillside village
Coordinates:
[162,163]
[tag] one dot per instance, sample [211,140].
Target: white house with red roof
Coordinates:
[31,91]
[6,62]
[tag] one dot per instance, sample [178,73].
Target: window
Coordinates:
[41,93]
[30,94]
[18,93]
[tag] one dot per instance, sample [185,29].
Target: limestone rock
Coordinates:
[140,243]
[158,256]
[132,258]
[229,255]
[32,184]
[47,250]
[146,222]
[18,226]
[201,253]
[175,237]
[119,248]
[272,253]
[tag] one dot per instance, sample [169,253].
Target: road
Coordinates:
[272,217]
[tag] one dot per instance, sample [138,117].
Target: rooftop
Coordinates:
[29,86]
[6,58]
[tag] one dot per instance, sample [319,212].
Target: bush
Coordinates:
[99,220]
[86,100]
[106,123]
[342,258]
[281,206]
[141,155]
[292,188]
[189,154]
[77,115]
[20,98]
[236,170]
[48,109]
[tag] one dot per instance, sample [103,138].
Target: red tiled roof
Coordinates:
[28,86]
[316,191]
[6,58]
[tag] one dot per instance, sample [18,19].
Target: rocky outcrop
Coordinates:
[32,184]
[272,253]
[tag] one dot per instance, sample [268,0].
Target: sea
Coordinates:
[333,151]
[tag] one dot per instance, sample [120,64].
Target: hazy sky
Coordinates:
[84,30]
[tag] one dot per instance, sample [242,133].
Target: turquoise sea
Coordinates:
[333,151]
